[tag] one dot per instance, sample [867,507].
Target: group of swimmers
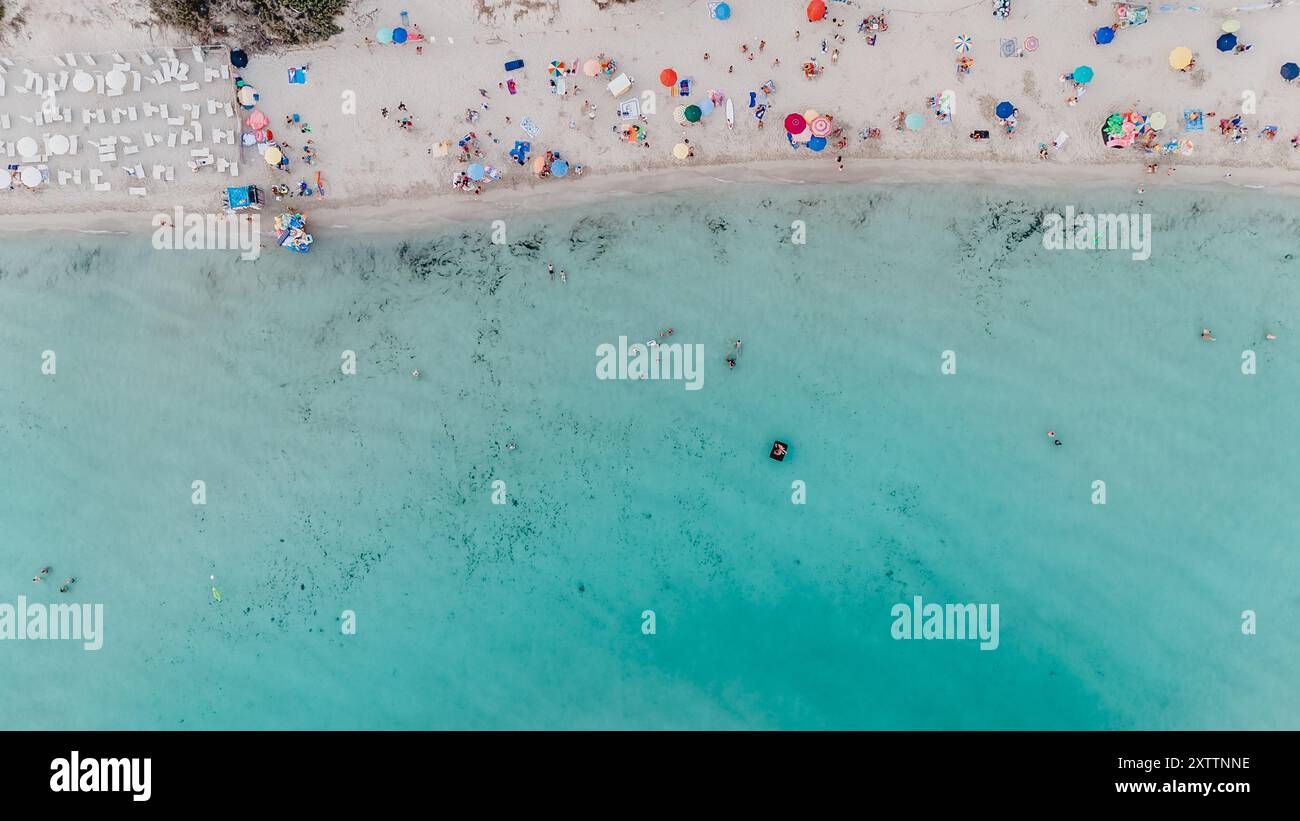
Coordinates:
[45,571]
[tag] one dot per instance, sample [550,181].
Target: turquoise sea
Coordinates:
[373,492]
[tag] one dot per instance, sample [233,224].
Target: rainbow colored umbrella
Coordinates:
[556,69]
[962,43]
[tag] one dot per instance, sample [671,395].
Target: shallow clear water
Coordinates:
[372,492]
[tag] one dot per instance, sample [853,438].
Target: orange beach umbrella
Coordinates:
[668,78]
[816,10]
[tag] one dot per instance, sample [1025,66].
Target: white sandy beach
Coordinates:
[379,175]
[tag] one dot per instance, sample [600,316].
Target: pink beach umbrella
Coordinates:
[820,126]
[257,120]
[591,68]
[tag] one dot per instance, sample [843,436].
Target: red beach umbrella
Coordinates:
[795,123]
[816,10]
[668,78]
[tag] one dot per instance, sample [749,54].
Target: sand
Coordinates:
[380,176]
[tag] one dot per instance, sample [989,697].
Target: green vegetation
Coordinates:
[254,22]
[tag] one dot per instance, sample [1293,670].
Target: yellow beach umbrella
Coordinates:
[1157,121]
[1180,58]
[681,151]
[273,156]
[1231,26]
[810,115]
[539,165]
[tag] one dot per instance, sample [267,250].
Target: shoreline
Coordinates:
[402,214]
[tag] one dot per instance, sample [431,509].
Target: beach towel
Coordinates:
[297,76]
[629,109]
[1193,120]
[514,65]
[529,127]
[1007,46]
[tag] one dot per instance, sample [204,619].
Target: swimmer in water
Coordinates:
[562,279]
[1270,337]
[731,362]
[510,446]
[1205,334]
[45,571]
[1051,434]
[550,269]
[737,344]
[415,374]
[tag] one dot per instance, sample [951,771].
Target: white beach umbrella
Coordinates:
[116,80]
[58,144]
[27,147]
[82,81]
[31,176]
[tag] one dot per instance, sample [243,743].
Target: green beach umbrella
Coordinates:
[693,113]
[914,121]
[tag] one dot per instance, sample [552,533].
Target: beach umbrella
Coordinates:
[115,80]
[820,126]
[1290,71]
[59,144]
[1103,35]
[722,12]
[83,82]
[1004,110]
[794,123]
[247,96]
[914,121]
[539,165]
[668,78]
[962,43]
[803,136]
[692,114]
[238,58]
[384,36]
[1226,42]
[257,120]
[1031,44]
[679,114]
[273,156]
[817,143]
[556,69]
[1180,58]
[399,35]
[706,107]
[1231,26]
[1157,121]
[1083,74]
[559,168]
[31,176]
[681,151]
[816,10]
[475,172]
[27,147]
[591,68]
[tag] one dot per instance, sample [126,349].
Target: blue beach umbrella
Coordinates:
[1226,42]
[722,12]
[384,36]
[475,172]
[399,35]
[706,107]
[1083,74]
[1290,71]
[559,168]
[1103,35]
[914,121]
[817,143]
[1005,109]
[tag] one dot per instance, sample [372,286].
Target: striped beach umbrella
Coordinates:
[821,127]
[962,43]
[556,69]
[679,114]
